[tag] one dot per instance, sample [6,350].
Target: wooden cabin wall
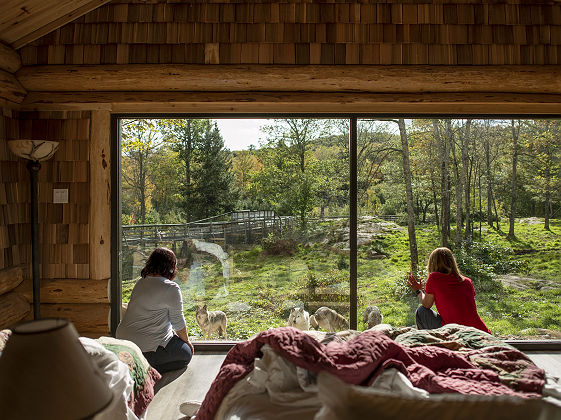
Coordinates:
[467,32]
[14,221]
[68,288]
[14,224]
[76,236]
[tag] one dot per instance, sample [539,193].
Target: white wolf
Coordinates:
[211,321]
[329,320]
[372,315]
[299,318]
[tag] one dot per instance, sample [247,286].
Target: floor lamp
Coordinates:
[35,151]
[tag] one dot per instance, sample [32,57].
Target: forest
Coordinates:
[461,182]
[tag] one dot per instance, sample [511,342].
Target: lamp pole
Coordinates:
[33,167]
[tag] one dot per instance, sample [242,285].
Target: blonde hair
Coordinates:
[442,260]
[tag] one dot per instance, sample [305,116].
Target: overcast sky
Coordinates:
[239,134]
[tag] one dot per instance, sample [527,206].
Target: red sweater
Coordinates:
[455,300]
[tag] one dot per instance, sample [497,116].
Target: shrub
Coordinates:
[278,246]
[342,262]
[401,286]
[482,261]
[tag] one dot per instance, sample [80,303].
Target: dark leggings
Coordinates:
[175,355]
[427,319]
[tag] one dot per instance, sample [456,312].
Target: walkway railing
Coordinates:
[231,228]
[239,227]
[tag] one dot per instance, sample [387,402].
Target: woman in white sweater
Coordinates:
[154,318]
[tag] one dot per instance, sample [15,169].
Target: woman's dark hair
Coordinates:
[161,262]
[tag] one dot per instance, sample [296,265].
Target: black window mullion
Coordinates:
[353,222]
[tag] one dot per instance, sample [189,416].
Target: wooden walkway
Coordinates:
[242,227]
[193,383]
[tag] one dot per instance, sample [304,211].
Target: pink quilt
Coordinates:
[360,360]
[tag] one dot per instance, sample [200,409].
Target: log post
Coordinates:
[10,60]
[100,198]
[292,78]
[10,88]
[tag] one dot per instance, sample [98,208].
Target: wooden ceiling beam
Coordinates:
[311,78]
[10,60]
[39,17]
[298,102]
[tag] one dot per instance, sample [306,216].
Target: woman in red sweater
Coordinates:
[451,292]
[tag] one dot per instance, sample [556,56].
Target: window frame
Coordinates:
[353,118]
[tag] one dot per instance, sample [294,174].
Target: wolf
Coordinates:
[372,315]
[211,321]
[329,320]
[299,318]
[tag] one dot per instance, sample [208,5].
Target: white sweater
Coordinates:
[154,311]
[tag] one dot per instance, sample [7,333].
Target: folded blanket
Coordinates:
[143,375]
[359,360]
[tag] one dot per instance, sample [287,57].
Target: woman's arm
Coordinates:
[425,299]
[182,333]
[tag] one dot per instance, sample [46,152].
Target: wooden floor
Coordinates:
[192,384]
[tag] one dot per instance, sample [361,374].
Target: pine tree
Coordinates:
[214,180]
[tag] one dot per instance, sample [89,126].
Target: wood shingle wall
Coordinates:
[15,229]
[149,56]
[461,32]
[67,287]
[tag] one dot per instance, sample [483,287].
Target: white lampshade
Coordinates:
[36,150]
[45,373]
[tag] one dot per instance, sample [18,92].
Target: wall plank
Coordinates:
[87,317]
[68,290]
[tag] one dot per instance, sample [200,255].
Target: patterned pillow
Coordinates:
[4,335]
[143,375]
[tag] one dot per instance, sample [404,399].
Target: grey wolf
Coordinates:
[329,320]
[372,315]
[299,318]
[211,321]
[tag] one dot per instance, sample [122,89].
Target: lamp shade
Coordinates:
[36,150]
[45,373]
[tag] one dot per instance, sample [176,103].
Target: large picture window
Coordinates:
[259,214]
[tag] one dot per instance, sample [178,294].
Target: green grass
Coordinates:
[262,288]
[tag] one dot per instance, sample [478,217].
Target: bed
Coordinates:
[452,372]
[126,372]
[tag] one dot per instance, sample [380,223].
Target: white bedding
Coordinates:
[117,377]
[277,389]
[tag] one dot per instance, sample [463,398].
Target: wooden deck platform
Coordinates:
[193,383]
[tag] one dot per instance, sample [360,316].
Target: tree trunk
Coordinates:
[487,147]
[512,214]
[465,178]
[480,201]
[436,218]
[188,143]
[142,192]
[547,198]
[459,192]
[447,149]
[496,213]
[409,194]
[425,210]
[444,201]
